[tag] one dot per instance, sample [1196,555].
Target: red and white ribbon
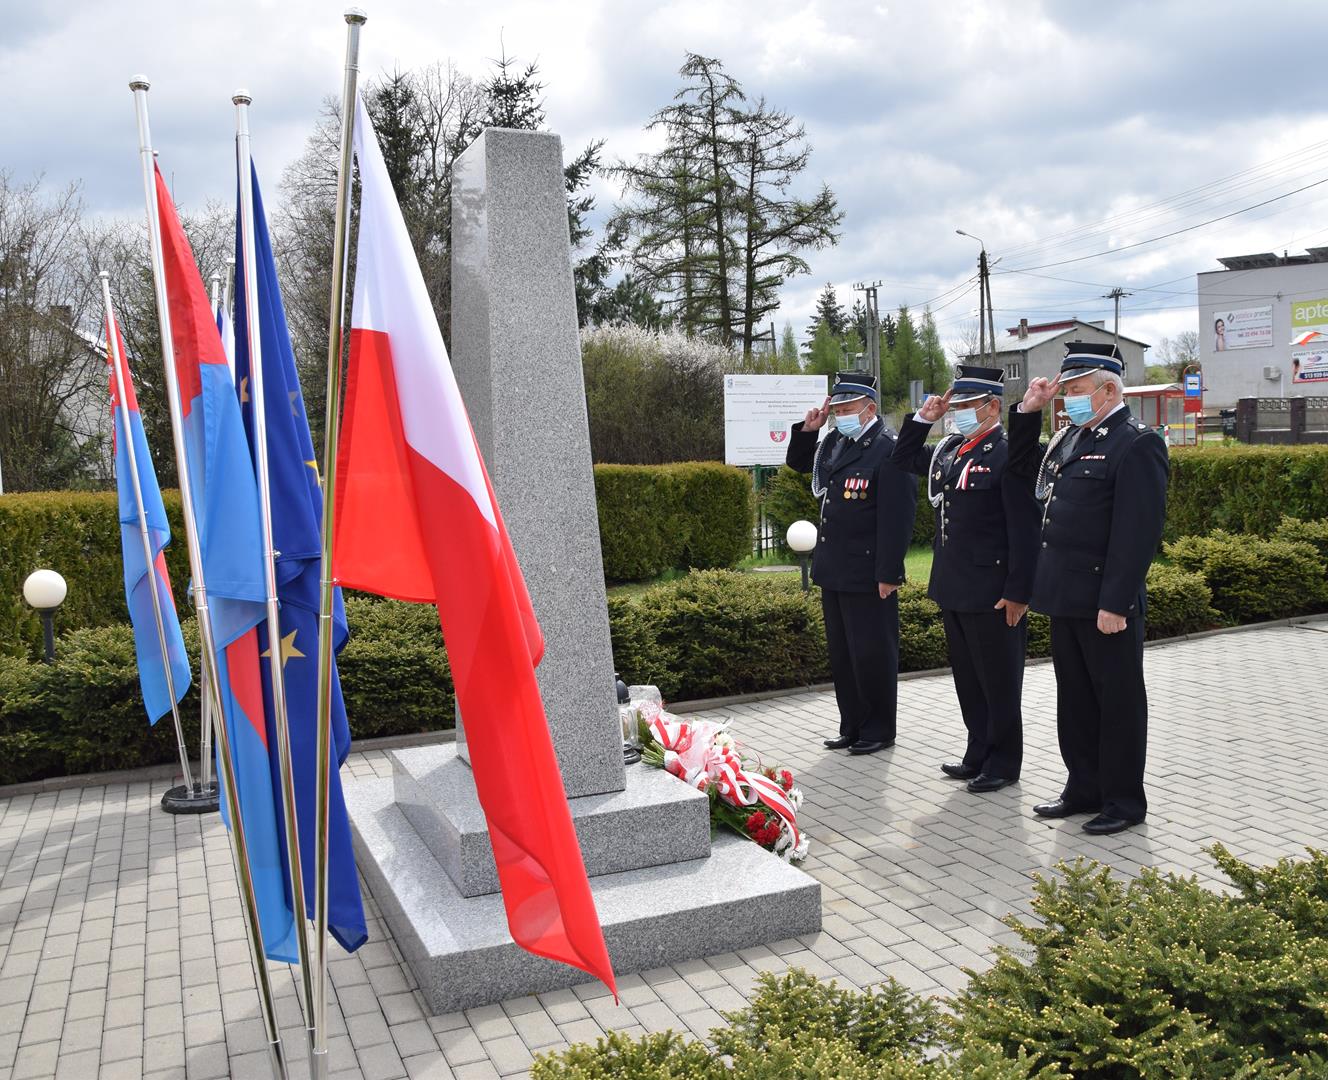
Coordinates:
[691,755]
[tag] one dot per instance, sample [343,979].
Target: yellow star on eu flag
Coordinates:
[288,649]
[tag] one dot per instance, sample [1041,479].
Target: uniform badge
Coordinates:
[1099,433]
[938,474]
[986,447]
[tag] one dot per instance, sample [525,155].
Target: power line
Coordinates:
[1176,232]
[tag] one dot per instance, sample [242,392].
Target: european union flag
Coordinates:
[297,508]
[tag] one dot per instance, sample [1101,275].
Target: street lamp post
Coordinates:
[801,537]
[45,590]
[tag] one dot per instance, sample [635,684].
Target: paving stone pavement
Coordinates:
[121,941]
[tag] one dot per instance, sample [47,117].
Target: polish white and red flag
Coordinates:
[416,519]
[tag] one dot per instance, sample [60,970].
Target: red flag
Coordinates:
[417,520]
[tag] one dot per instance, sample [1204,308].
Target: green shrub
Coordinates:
[1305,532]
[394,673]
[1253,579]
[84,713]
[654,518]
[717,632]
[1156,977]
[77,534]
[1179,602]
[1245,489]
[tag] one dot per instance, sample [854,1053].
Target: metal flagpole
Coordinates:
[275,644]
[149,560]
[355,19]
[239,845]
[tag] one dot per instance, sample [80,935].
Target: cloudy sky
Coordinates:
[1066,134]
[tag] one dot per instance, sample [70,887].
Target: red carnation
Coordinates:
[769,834]
[756,822]
[786,779]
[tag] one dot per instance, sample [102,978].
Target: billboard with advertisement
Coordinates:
[759,410]
[1242,328]
[1310,366]
[1309,316]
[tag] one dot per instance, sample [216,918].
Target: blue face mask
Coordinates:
[849,426]
[1080,408]
[966,421]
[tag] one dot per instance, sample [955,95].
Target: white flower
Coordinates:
[799,850]
[785,838]
[725,741]
[795,797]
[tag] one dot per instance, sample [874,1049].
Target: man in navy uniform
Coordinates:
[984,551]
[867,509]
[1103,483]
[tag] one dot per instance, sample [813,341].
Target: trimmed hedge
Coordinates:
[722,632]
[711,633]
[1245,489]
[652,518]
[1155,976]
[84,713]
[1242,489]
[788,498]
[1254,579]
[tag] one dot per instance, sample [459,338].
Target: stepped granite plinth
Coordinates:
[436,792]
[664,891]
[460,951]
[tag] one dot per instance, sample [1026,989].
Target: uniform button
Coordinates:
[998,562]
[1054,498]
[1097,568]
[1044,543]
[947,487]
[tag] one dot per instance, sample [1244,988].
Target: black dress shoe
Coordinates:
[985,783]
[1105,825]
[959,771]
[1060,808]
[865,746]
[840,743]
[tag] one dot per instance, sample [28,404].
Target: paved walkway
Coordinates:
[121,947]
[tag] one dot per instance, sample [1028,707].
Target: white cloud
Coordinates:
[1018,120]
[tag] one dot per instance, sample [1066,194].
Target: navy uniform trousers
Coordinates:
[1101,714]
[985,550]
[862,637]
[867,511]
[1101,530]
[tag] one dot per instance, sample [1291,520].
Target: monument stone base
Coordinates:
[664,891]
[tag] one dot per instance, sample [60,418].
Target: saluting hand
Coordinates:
[1110,623]
[1040,392]
[935,406]
[1014,611]
[816,418]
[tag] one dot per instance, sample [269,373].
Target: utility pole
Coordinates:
[873,342]
[1116,295]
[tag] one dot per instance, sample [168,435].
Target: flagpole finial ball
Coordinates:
[139,82]
[242,97]
[45,590]
[356,15]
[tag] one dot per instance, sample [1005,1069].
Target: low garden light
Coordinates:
[801,538]
[45,590]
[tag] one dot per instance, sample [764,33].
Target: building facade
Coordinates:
[1251,314]
[1036,351]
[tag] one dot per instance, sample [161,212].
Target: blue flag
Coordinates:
[297,508]
[138,580]
[225,495]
